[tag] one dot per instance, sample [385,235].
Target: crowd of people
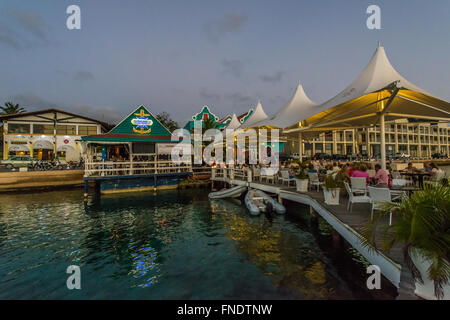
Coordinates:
[344,171]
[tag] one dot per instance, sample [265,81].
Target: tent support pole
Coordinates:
[382,142]
[300,146]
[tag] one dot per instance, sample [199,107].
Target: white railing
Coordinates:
[122,168]
[231,173]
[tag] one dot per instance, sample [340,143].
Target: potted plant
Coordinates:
[331,190]
[301,180]
[422,228]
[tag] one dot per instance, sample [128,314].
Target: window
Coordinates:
[43,128]
[66,130]
[18,128]
[143,148]
[86,130]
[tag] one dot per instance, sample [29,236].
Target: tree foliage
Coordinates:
[11,108]
[422,225]
[167,121]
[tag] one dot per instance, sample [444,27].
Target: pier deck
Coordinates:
[348,225]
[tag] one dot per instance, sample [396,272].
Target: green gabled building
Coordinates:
[134,155]
[204,114]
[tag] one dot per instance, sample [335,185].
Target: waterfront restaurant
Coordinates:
[134,155]
[46,134]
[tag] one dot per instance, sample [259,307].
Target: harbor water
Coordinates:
[171,245]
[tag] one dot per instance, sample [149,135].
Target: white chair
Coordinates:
[379,197]
[398,183]
[435,180]
[396,175]
[285,177]
[359,185]
[314,180]
[256,174]
[269,175]
[371,173]
[354,199]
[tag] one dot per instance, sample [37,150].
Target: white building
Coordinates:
[42,134]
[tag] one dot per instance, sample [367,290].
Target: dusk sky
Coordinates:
[177,56]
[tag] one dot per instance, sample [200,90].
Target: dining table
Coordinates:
[416,176]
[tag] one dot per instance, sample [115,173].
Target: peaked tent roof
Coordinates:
[298,108]
[379,85]
[234,123]
[139,125]
[257,116]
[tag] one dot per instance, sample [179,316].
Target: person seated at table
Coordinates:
[427,167]
[434,169]
[381,177]
[336,167]
[352,168]
[410,168]
[361,173]
[343,174]
[311,168]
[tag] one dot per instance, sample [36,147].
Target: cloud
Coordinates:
[105,114]
[209,96]
[80,75]
[30,21]
[83,75]
[32,102]
[240,101]
[274,78]
[233,67]
[29,28]
[8,37]
[229,24]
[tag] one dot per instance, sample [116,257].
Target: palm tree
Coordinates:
[11,108]
[423,227]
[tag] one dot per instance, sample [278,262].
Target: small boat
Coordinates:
[253,203]
[234,192]
[256,202]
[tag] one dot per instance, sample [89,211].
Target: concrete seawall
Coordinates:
[14,181]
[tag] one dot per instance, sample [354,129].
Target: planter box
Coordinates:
[331,196]
[302,185]
[426,290]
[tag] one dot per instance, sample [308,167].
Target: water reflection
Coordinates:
[169,245]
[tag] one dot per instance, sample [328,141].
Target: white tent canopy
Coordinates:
[297,109]
[379,93]
[234,123]
[257,116]
[378,90]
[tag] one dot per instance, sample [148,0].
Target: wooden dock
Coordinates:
[347,224]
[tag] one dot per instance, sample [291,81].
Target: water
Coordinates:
[173,245]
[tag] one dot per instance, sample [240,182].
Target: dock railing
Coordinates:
[232,173]
[122,168]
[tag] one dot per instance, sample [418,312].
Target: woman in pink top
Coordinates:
[361,173]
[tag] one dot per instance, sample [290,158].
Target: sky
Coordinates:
[176,56]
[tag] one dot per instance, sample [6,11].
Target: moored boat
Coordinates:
[227,193]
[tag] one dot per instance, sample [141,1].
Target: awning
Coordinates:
[43,144]
[378,90]
[64,148]
[18,148]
